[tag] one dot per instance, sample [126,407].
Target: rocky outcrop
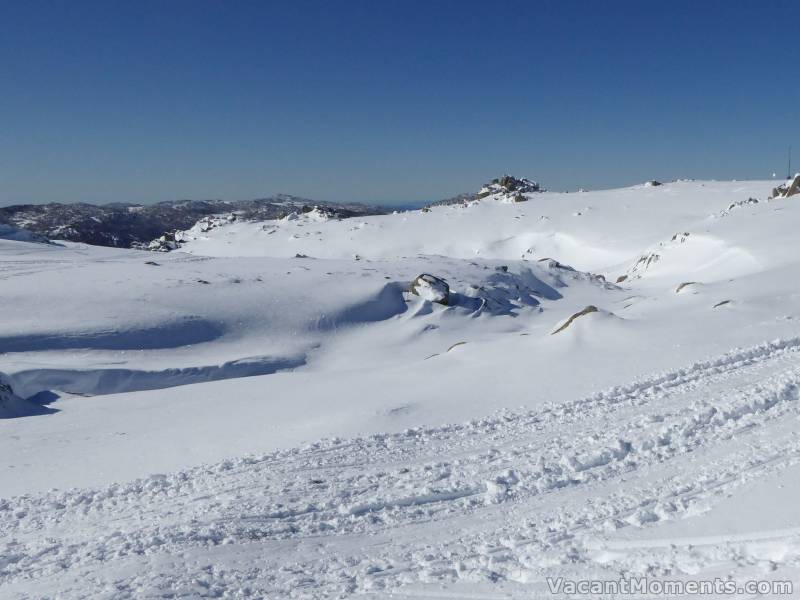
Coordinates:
[510,188]
[790,188]
[165,243]
[461,199]
[431,288]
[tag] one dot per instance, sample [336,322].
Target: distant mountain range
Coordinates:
[122,225]
[135,225]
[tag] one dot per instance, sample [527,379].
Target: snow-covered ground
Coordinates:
[610,391]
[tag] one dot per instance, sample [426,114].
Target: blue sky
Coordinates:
[384,101]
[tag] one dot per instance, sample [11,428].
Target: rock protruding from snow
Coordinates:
[790,188]
[431,288]
[509,188]
[652,183]
[165,243]
[462,199]
[588,310]
[683,285]
[212,222]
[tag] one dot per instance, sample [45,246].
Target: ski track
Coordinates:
[362,508]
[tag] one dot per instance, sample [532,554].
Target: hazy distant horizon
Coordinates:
[406,203]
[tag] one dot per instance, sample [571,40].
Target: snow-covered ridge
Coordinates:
[462,400]
[122,225]
[172,240]
[593,231]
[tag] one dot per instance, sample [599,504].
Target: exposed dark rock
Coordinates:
[588,310]
[790,188]
[510,187]
[460,199]
[432,288]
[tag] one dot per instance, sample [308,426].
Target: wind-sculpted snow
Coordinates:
[163,335]
[193,319]
[114,381]
[386,304]
[278,409]
[492,500]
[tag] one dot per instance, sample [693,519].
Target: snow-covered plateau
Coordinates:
[456,402]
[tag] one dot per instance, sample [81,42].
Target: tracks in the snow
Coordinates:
[501,498]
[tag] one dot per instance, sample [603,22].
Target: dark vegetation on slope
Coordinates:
[134,225]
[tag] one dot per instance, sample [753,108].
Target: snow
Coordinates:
[269,411]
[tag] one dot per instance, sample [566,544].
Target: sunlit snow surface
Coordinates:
[268,413]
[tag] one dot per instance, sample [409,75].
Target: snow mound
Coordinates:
[693,255]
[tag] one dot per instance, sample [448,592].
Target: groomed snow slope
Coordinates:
[235,420]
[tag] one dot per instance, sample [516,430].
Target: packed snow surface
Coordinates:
[285,409]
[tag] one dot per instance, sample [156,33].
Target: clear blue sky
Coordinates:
[387,101]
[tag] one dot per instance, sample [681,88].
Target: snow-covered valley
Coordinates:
[607,389]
